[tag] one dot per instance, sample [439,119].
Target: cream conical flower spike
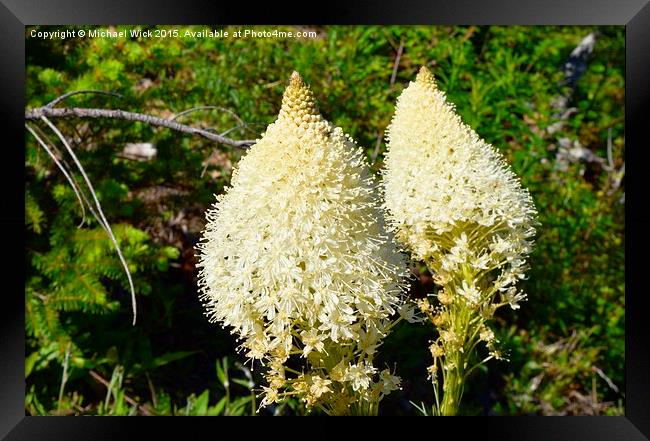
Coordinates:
[454,203]
[296,260]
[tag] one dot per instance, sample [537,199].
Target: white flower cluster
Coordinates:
[451,197]
[295,257]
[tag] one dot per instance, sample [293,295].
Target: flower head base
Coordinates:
[295,257]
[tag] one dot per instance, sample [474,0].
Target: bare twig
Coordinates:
[73,182]
[37,128]
[231,130]
[272,84]
[63,170]
[205,167]
[63,165]
[400,49]
[57,100]
[618,178]
[99,210]
[242,124]
[222,109]
[64,376]
[602,375]
[375,152]
[610,159]
[48,111]
[152,390]
[128,399]
[78,112]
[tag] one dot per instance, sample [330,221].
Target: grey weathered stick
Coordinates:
[99,210]
[127,398]
[196,109]
[610,157]
[396,64]
[375,153]
[78,112]
[602,375]
[66,169]
[242,124]
[72,183]
[57,100]
[64,376]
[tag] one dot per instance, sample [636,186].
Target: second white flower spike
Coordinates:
[454,203]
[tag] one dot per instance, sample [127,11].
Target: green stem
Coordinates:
[462,324]
[364,408]
[452,392]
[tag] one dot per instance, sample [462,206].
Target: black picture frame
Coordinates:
[16,14]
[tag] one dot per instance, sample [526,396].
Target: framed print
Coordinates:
[401,210]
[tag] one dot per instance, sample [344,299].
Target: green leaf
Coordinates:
[247,384]
[218,408]
[222,372]
[120,407]
[171,252]
[200,405]
[29,363]
[172,356]
[238,406]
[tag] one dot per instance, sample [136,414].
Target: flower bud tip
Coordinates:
[295,78]
[425,77]
[298,101]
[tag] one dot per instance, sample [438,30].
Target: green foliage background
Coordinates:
[565,344]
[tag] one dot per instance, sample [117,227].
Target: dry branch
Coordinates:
[396,63]
[49,111]
[101,217]
[127,398]
[77,112]
[57,100]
